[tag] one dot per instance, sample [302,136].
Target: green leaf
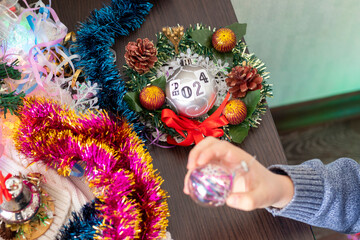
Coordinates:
[160,82]
[225,57]
[132,99]
[212,110]
[239,29]
[202,36]
[251,100]
[239,132]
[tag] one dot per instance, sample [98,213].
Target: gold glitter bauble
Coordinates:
[152,97]
[235,111]
[224,40]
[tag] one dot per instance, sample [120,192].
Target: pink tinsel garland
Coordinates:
[118,167]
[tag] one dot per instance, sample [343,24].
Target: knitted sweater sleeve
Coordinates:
[326,196]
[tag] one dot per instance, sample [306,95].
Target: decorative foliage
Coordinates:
[174,34]
[118,168]
[8,71]
[196,48]
[11,102]
[85,98]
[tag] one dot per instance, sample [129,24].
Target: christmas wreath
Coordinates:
[180,87]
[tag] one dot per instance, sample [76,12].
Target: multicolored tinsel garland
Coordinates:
[93,42]
[118,168]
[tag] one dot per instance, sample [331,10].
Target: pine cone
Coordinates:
[6,233]
[242,79]
[141,55]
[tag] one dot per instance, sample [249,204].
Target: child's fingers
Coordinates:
[246,201]
[222,151]
[186,183]
[198,150]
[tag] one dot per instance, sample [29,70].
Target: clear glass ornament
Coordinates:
[210,185]
[8,17]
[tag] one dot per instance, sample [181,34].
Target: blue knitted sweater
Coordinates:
[326,196]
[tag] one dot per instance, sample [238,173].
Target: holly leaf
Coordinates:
[224,57]
[239,132]
[132,99]
[202,36]
[212,110]
[239,29]
[160,82]
[251,100]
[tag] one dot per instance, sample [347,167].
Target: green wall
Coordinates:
[311,48]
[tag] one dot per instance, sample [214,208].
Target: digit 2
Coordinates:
[197,85]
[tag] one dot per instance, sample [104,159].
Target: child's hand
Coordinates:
[257,188]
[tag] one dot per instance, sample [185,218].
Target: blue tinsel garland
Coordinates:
[94,39]
[81,226]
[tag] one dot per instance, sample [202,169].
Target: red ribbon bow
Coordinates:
[195,129]
[3,189]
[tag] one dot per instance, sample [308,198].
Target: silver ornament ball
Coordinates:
[24,204]
[191,91]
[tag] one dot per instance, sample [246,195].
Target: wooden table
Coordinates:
[189,221]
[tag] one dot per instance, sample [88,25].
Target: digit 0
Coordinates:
[186,92]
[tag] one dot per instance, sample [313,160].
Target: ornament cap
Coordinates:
[24,204]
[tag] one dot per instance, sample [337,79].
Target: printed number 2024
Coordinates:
[187,91]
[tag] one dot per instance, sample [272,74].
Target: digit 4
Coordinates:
[203,77]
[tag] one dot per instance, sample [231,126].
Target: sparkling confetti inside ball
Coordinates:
[152,97]
[224,40]
[235,111]
[210,185]
[191,91]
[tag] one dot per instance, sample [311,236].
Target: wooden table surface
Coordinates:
[189,221]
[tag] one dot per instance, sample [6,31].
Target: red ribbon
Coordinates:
[195,130]
[3,189]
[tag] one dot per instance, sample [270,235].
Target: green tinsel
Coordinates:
[11,102]
[239,56]
[8,71]
[187,42]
